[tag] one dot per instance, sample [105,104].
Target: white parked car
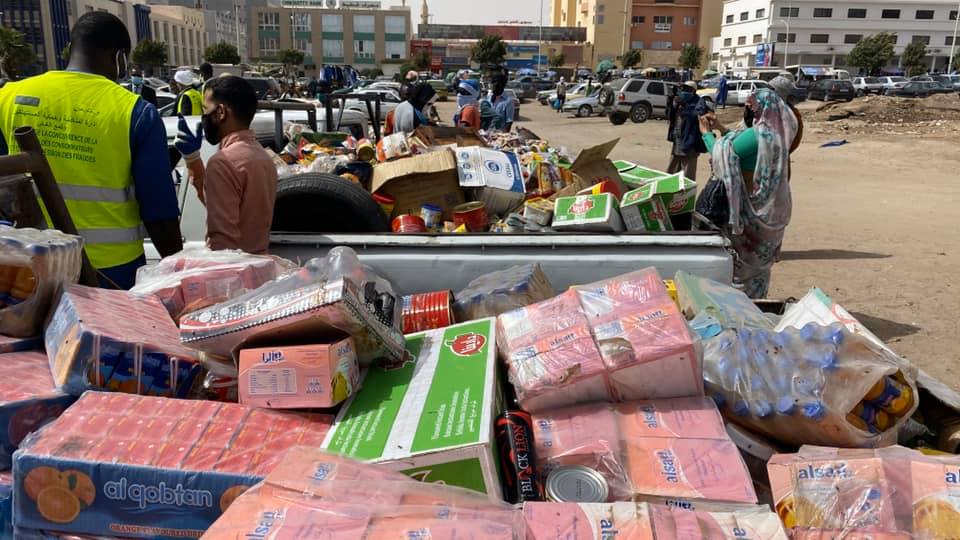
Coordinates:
[890,83]
[388,101]
[868,85]
[737,91]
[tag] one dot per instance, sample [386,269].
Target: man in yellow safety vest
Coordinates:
[190,100]
[107,148]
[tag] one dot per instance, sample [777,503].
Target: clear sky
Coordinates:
[478,11]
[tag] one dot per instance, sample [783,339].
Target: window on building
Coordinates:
[663,23]
[689,21]
[190,38]
[666,1]
[782,37]
[819,38]
[925,40]
[268,21]
[636,45]
[332,23]
[176,56]
[156,30]
[332,48]
[166,32]
[729,19]
[758,38]
[890,14]
[789,12]
[395,25]
[662,45]
[744,15]
[925,14]
[823,13]
[742,40]
[364,48]
[638,20]
[601,8]
[857,13]
[727,42]
[715,56]
[761,13]
[269,47]
[302,22]
[363,23]
[598,19]
[953,15]
[396,49]
[852,39]
[948,41]
[304,46]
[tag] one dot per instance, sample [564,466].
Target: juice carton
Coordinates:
[597,213]
[737,521]
[693,417]
[550,521]
[936,496]
[299,376]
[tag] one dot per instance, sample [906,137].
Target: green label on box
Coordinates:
[453,407]
[466,473]
[364,430]
[582,208]
[640,194]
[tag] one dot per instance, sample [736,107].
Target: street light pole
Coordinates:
[540,41]
[786,46]
[627,13]
[953,44]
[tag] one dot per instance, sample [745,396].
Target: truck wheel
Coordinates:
[325,203]
[584,110]
[618,118]
[640,113]
[606,97]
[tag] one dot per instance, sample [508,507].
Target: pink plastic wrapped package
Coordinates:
[311,494]
[197,278]
[673,448]
[733,523]
[615,340]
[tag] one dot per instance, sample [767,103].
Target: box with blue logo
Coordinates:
[144,467]
[492,177]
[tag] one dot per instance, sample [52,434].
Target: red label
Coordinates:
[581,206]
[467,344]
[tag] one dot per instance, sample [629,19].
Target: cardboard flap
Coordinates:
[434,162]
[442,135]
[593,165]
[594,153]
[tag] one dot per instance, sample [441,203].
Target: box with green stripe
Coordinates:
[432,417]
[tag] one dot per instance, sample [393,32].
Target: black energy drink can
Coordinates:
[514,432]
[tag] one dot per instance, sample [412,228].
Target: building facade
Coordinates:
[362,37]
[811,32]
[228,26]
[183,30]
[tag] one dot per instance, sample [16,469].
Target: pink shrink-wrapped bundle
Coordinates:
[615,340]
[671,448]
[198,277]
[311,494]
[734,522]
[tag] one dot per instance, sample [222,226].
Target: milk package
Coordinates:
[148,467]
[615,340]
[886,493]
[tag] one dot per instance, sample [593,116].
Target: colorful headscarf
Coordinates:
[469,95]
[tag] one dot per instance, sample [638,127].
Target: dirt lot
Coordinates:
[875,221]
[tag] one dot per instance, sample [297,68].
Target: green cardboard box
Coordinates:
[637,175]
[431,417]
[643,210]
[590,213]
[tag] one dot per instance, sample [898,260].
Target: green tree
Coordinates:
[631,58]
[402,72]
[222,53]
[691,57]
[489,50]
[873,52]
[290,58]
[557,60]
[421,61]
[912,59]
[14,53]
[149,54]
[371,73]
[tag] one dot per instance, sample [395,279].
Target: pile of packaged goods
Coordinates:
[229,394]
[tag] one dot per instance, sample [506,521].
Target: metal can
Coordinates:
[365,150]
[576,483]
[427,311]
[386,203]
[473,215]
[432,216]
[514,432]
[408,224]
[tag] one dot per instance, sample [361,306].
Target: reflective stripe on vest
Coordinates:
[83,124]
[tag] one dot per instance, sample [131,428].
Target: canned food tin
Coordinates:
[473,215]
[408,224]
[576,483]
[365,150]
[427,311]
[432,216]
[386,203]
[514,433]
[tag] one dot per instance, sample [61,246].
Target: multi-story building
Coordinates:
[660,28]
[228,26]
[450,45]
[348,34]
[812,32]
[183,30]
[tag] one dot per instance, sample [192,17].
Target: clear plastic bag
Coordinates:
[816,385]
[199,277]
[324,496]
[670,448]
[730,307]
[34,266]
[499,292]
[614,340]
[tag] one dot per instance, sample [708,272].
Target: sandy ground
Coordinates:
[875,223]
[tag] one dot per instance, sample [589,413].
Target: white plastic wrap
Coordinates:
[503,291]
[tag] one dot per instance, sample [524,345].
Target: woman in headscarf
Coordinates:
[468,109]
[753,163]
[415,110]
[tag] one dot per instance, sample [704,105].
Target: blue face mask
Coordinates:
[136,80]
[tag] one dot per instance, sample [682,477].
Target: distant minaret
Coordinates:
[424,13]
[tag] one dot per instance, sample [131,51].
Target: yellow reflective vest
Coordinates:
[83,124]
[196,102]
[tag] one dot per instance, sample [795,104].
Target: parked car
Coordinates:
[441,88]
[526,87]
[831,90]
[388,101]
[937,87]
[913,89]
[547,97]
[584,106]
[867,85]
[737,91]
[952,80]
[890,83]
[636,99]
[516,102]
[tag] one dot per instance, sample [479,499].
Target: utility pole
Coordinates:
[540,40]
[627,13]
[953,44]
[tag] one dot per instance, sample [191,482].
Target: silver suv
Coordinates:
[637,99]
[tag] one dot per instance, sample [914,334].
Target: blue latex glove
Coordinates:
[187,143]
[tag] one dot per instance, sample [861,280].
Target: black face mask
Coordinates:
[747,116]
[211,128]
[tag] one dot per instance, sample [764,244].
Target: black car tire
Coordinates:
[606,97]
[325,203]
[640,113]
[584,111]
[618,118]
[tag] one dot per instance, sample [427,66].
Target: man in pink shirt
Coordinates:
[239,185]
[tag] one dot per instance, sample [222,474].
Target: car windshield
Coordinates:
[898,79]
[761,84]
[618,84]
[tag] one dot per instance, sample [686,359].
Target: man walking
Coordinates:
[561,94]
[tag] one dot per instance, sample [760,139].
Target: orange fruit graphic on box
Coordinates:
[58,504]
[40,478]
[80,485]
[231,495]
[938,518]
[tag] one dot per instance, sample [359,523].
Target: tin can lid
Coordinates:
[576,483]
